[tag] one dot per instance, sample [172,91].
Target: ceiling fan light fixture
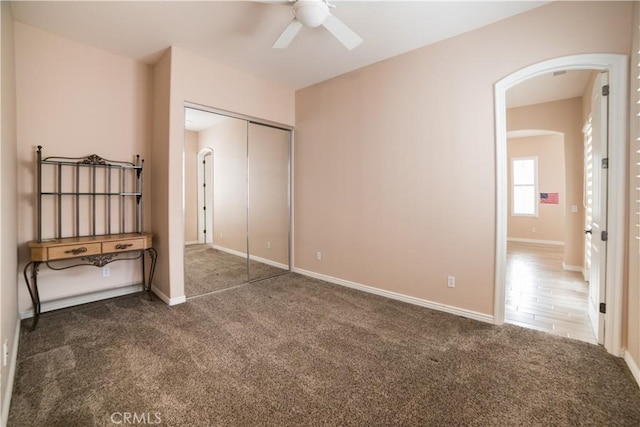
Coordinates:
[314,13]
[311,13]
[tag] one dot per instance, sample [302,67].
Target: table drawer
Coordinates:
[123,245]
[72,251]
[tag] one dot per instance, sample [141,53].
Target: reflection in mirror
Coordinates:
[236,201]
[268,225]
[215,210]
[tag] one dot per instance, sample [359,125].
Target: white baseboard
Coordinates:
[193,242]
[400,297]
[537,241]
[577,268]
[6,403]
[633,367]
[166,299]
[83,299]
[251,257]
[269,262]
[229,251]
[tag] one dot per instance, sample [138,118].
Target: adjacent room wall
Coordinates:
[76,100]
[8,212]
[549,225]
[228,140]
[395,162]
[190,186]
[565,117]
[267,151]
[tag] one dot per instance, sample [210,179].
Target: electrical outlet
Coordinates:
[268,245]
[533,229]
[319,256]
[451,281]
[106,272]
[5,352]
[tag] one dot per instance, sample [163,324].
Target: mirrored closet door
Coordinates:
[268,225]
[237,201]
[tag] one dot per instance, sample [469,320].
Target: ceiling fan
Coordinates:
[313,13]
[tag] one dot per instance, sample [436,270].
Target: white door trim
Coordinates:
[617,67]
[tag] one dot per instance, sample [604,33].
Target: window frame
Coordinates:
[535,187]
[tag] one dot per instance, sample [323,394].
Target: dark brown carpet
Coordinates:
[296,351]
[208,270]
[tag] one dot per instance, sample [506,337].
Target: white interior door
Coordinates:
[596,216]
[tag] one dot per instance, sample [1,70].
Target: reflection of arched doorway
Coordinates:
[205,195]
[616,66]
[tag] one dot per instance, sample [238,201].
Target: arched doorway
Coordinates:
[616,66]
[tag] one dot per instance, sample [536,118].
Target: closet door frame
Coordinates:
[290,166]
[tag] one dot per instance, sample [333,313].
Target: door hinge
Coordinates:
[603,308]
[605,163]
[605,90]
[604,236]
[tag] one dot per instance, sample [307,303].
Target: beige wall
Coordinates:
[190,186]
[632,325]
[549,225]
[564,117]
[75,100]
[228,140]
[8,211]
[199,80]
[160,160]
[395,162]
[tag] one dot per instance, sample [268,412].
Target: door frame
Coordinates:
[208,222]
[617,66]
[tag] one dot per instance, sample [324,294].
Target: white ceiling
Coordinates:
[198,120]
[240,33]
[549,87]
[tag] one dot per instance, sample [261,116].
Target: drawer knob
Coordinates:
[76,251]
[123,245]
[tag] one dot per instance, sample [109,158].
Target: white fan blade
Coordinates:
[344,34]
[288,34]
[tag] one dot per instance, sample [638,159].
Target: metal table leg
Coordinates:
[153,254]
[33,290]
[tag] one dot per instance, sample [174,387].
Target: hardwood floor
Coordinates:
[541,295]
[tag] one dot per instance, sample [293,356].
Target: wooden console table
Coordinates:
[93,210]
[90,250]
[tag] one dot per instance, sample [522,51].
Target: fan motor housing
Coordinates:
[311,13]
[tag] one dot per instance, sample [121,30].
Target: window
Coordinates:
[525,183]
